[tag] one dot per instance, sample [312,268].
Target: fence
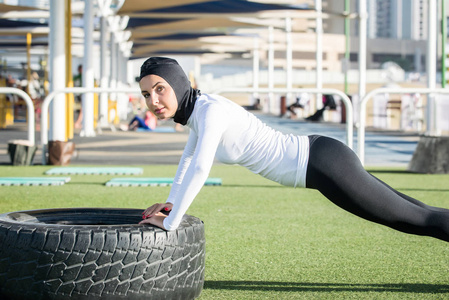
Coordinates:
[30,109]
[75,90]
[50,97]
[344,97]
[370,95]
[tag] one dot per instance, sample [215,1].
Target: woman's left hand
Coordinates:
[155,208]
[156,220]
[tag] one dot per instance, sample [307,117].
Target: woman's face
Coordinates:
[159,96]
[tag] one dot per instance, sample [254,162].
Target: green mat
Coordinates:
[34,180]
[142,181]
[95,171]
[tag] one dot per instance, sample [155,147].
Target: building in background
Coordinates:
[397,31]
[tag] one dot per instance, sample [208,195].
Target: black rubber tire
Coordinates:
[92,253]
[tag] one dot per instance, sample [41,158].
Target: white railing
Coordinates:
[347,102]
[80,90]
[74,90]
[30,108]
[367,97]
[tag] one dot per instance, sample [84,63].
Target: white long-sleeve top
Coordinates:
[222,129]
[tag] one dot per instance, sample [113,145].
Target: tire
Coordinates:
[92,253]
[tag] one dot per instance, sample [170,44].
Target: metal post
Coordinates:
[255,69]
[57,70]
[347,45]
[431,67]
[363,16]
[319,52]
[113,75]
[443,43]
[289,56]
[88,76]
[70,99]
[29,37]
[30,109]
[119,84]
[103,109]
[119,66]
[270,67]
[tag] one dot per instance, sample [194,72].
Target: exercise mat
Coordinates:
[151,181]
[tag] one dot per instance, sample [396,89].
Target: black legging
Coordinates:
[335,170]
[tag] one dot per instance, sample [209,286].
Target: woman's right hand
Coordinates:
[155,208]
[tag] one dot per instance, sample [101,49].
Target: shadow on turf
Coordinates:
[373,171]
[424,190]
[255,186]
[325,287]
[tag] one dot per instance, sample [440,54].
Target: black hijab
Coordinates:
[171,71]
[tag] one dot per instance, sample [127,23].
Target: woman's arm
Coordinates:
[184,163]
[212,124]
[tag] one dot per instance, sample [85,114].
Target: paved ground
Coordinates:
[110,147]
[382,148]
[137,148]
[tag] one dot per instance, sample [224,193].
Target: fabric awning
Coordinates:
[7,8]
[187,25]
[191,19]
[130,6]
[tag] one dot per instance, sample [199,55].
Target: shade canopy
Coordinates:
[130,6]
[221,8]
[7,8]
[172,27]
[155,27]
[17,27]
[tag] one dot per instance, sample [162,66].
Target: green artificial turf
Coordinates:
[266,241]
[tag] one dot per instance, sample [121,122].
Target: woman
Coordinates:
[223,129]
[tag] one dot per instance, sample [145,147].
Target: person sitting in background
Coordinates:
[300,102]
[78,82]
[328,101]
[149,122]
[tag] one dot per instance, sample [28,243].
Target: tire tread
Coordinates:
[73,262]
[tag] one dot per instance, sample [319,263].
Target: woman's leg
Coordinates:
[412,200]
[335,170]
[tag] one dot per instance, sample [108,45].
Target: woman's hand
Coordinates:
[156,220]
[156,208]
[152,215]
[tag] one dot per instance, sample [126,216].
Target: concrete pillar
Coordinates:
[270,67]
[88,70]
[104,82]
[289,57]
[118,66]
[113,73]
[256,60]
[57,70]
[122,99]
[431,64]
[363,16]
[319,52]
